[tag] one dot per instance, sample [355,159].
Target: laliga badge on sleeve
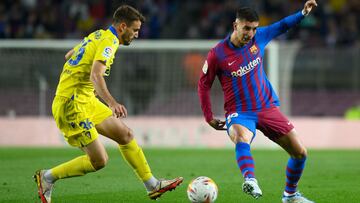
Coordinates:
[107,52]
[205,67]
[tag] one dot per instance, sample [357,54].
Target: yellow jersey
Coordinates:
[100,45]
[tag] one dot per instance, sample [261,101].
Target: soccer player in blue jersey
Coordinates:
[250,101]
[81,116]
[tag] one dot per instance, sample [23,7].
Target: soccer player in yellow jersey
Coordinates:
[81,116]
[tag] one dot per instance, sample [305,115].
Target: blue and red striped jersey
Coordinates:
[241,73]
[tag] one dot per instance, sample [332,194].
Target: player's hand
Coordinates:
[217,124]
[309,5]
[119,110]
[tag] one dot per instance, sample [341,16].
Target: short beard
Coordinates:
[125,42]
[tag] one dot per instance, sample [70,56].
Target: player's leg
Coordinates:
[116,130]
[278,128]
[241,131]
[295,166]
[95,159]
[241,136]
[78,132]
[296,162]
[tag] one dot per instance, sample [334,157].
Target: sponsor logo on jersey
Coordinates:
[245,69]
[205,67]
[254,50]
[107,52]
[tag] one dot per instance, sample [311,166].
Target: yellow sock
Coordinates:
[76,167]
[135,157]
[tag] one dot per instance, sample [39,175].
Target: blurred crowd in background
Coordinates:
[334,22]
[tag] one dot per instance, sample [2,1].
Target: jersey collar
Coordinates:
[232,46]
[112,29]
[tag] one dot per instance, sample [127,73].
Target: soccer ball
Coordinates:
[202,190]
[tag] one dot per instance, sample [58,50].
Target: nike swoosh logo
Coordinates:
[231,63]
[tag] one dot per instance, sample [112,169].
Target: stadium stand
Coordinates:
[333,23]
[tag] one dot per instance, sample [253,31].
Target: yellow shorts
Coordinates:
[77,118]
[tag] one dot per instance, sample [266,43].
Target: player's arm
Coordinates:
[69,54]
[98,80]
[205,83]
[269,32]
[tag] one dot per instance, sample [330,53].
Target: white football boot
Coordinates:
[164,186]
[251,187]
[44,188]
[295,198]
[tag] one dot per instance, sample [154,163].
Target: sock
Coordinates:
[245,160]
[151,184]
[135,157]
[285,194]
[294,170]
[48,176]
[76,167]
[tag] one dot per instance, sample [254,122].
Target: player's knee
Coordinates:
[100,163]
[300,154]
[241,138]
[129,135]
[240,134]
[303,154]
[126,136]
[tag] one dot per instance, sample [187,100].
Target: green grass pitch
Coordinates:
[330,175]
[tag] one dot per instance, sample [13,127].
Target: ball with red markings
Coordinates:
[202,190]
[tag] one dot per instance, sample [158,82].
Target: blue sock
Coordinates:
[244,160]
[294,170]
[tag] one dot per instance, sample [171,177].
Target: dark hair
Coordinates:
[127,14]
[248,14]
